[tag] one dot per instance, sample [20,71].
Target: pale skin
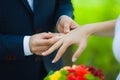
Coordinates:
[41,42]
[66,24]
[79,36]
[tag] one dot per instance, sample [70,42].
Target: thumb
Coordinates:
[74,25]
[66,28]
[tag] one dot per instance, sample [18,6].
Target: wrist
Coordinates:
[88,29]
[91,29]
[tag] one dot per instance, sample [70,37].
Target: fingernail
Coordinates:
[74,59]
[53,61]
[49,32]
[43,54]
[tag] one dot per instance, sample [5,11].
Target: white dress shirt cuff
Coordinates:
[26,47]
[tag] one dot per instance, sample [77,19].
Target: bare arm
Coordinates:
[79,36]
[102,28]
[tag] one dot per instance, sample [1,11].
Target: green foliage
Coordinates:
[99,50]
[91,77]
[64,72]
[63,78]
[50,73]
[47,78]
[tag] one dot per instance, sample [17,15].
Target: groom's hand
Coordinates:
[42,42]
[66,24]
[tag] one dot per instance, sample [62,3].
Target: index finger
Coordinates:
[61,51]
[53,48]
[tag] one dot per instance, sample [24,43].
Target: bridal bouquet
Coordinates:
[76,72]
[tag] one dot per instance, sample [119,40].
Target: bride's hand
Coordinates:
[78,36]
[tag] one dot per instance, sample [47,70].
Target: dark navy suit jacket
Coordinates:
[16,21]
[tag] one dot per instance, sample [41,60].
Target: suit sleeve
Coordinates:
[11,45]
[64,7]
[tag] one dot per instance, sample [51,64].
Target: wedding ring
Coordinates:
[49,32]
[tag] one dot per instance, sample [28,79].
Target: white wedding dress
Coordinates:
[116,43]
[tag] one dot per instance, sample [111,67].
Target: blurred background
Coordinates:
[99,49]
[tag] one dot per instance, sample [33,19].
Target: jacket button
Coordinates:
[10,58]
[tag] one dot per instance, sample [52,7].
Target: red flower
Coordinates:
[71,70]
[71,77]
[96,72]
[80,78]
[81,71]
[77,73]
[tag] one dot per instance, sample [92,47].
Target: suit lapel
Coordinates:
[36,5]
[25,3]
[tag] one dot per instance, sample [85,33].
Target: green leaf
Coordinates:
[64,72]
[50,73]
[91,77]
[63,78]
[46,78]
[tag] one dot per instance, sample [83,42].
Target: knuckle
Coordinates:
[34,41]
[45,48]
[68,41]
[48,43]
[61,52]
[33,50]
[83,46]
[52,41]
[77,55]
